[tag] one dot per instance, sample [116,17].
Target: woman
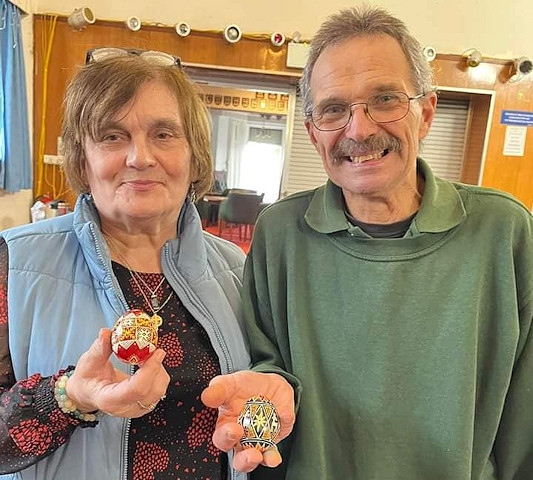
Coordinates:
[136,139]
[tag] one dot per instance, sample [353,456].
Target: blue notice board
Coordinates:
[516,117]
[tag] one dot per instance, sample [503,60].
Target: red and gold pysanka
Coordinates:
[134,337]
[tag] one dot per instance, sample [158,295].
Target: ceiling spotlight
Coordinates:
[80,18]
[232,33]
[521,67]
[430,53]
[182,29]
[473,57]
[133,23]
[277,39]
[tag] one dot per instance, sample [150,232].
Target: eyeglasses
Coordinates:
[160,58]
[383,108]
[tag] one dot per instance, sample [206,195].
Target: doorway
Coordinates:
[248,151]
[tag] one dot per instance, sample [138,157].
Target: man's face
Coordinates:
[366,158]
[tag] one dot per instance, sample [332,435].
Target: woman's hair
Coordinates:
[102,88]
[365,21]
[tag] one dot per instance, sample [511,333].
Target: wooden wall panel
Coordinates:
[512,174]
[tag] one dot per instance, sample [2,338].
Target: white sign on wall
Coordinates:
[515,141]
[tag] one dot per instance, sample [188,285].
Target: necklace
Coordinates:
[155,317]
[153,301]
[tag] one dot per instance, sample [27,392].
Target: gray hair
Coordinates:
[365,21]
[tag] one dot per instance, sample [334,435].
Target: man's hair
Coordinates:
[102,88]
[359,22]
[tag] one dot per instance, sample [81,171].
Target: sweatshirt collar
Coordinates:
[442,207]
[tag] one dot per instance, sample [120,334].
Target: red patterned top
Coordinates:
[172,442]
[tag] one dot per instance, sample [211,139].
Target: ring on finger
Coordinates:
[149,407]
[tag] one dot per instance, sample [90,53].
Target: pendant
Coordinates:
[154,301]
[157,319]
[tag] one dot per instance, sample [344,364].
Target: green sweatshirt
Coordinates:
[414,355]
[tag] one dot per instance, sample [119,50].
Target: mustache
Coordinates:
[348,147]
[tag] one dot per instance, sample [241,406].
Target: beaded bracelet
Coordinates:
[66,404]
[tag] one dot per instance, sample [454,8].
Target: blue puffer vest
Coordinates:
[62,290]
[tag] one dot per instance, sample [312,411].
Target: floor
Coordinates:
[245,245]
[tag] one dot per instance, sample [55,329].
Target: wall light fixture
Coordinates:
[473,57]
[232,33]
[520,68]
[182,29]
[133,23]
[80,18]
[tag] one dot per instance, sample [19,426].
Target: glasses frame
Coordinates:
[351,106]
[114,52]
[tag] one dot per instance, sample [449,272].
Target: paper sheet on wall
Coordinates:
[515,141]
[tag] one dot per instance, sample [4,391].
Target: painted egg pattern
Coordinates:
[260,422]
[134,337]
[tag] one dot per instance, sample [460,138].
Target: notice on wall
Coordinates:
[517,117]
[515,141]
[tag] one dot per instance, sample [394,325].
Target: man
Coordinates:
[403,303]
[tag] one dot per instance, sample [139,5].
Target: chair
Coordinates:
[208,212]
[239,209]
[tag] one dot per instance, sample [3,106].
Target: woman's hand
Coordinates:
[97,385]
[229,393]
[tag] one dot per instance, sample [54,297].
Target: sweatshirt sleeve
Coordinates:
[514,442]
[266,329]
[513,448]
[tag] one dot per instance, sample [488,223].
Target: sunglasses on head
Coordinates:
[160,58]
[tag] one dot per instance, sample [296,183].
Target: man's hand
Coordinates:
[229,393]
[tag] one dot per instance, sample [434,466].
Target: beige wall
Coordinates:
[15,208]
[497,29]
[25,5]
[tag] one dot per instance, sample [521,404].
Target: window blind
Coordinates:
[444,146]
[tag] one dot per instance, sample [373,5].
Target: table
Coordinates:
[213,198]
[211,203]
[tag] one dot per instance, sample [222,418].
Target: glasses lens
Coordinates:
[388,107]
[161,58]
[330,117]
[99,54]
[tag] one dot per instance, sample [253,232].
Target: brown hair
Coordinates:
[100,89]
[365,21]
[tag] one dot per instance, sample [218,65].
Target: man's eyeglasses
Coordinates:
[160,58]
[383,108]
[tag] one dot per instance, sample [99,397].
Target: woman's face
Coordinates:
[139,169]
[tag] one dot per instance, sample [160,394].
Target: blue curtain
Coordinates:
[15,158]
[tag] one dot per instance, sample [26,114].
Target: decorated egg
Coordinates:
[134,337]
[260,422]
